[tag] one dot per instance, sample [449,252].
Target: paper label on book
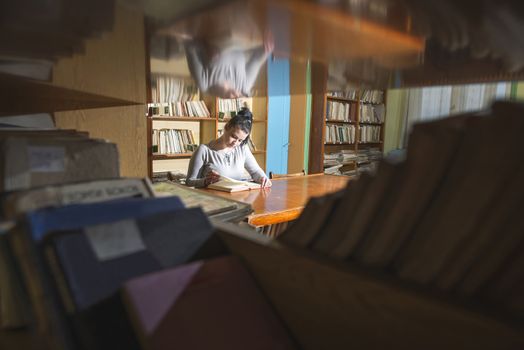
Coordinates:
[103,191]
[46,159]
[115,240]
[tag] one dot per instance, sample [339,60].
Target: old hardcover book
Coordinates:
[228,184]
[311,221]
[427,161]
[487,232]
[450,221]
[112,253]
[14,310]
[490,264]
[508,280]
[29,162]
[218,298]
[28,236]
[18,202]
[216,207]
[371,204]
[335,229]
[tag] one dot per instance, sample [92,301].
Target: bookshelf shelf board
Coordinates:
[370,143]
[338,144]
[171,156]
[225,120]
[340,121]
[370,123]
[182,118]
[349,162]
[372,103]
[342,99]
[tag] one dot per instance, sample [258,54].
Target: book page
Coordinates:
[227,181]
[232,185]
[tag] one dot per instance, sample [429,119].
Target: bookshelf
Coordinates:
[197,118]
[353,129]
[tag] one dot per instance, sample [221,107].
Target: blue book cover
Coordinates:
[96,260]
[77,216]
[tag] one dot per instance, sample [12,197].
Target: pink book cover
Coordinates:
[211,304]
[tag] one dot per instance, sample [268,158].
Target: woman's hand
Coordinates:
[211,177]
[265,182]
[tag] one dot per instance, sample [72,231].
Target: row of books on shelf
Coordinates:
[171,89]
[442,219]
[340,133]
[372,96]
[227,106]
[340,111]
[347,112]
[347,156]
[372,113]
[347,133]
[366,95]
[179,109]
[370,133]
[351,172]
[350,94]
[171,141]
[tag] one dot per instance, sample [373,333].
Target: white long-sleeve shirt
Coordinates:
[225,162]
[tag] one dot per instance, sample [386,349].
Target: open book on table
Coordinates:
[228,184]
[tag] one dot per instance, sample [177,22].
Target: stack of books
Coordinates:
[103,265]
[445,218]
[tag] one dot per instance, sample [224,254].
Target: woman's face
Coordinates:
[234,136]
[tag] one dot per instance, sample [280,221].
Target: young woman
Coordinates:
[228,155]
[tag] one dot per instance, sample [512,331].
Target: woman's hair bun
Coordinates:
[244,112]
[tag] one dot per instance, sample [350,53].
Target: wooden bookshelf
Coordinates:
[170,156]
[203,130]
[206,128]
[191,119]
[347,112]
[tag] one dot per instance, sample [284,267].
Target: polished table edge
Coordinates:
[270,218]
[265,219]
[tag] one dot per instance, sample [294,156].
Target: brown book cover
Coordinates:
[371,205]
[469,189]
[311,221]
[335,229]
[487,233]
[490,264]
[29,162]
[509,278]
[430,149]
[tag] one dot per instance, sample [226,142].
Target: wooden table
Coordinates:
[287,197]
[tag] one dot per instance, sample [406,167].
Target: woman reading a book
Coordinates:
[227,156]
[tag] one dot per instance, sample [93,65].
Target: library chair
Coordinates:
[279,176]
